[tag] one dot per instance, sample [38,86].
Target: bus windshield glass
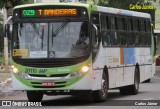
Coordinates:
[50,40]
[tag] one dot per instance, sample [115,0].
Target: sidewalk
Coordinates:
[4,76]
[5,82]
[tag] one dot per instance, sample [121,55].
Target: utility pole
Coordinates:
[5,38]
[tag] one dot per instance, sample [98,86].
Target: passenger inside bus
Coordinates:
[83,37]
[106,38]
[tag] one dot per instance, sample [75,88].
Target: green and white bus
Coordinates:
[48,60]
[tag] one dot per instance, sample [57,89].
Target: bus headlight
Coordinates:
[82,71]
[85,69]
[22,75]
[15,70]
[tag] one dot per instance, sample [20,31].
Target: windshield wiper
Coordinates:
[42,38]
[34,27]
[54,34]
[61,27]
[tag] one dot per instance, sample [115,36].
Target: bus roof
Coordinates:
[122,12]
[99,8]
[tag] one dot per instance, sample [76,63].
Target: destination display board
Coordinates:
[48,12]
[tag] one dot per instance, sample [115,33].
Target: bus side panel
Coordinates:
[115,69]
[98,66]
[115,77]
[142,73]
[148,62]
[144,59]
[140,59]
[121,76]
[129,75]
[92,81]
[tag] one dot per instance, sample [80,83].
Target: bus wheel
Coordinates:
[101,95]
[135,87]
[34,96]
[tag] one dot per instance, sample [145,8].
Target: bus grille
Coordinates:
[53,75]
[49,86]
[49,63]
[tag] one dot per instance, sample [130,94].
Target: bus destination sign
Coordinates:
[48,12]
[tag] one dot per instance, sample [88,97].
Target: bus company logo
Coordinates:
[63,70]
[6,103]
[42,70]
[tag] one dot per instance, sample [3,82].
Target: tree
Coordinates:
[12,3]
[123,4]
[1,35]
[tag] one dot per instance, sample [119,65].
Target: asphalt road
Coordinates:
[149,92]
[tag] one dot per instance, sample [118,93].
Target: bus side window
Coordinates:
[135,39]
[135,32]
[105,34]
[105,38]
[113,21]
[148,33]
[129,31]
[148,26]
[113,32]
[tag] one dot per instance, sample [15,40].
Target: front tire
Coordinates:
[34,96]
[101,95]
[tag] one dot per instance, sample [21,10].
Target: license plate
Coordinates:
[48,83]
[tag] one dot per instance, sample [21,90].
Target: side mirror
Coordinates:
[97,33]
[95,27]
[8,31]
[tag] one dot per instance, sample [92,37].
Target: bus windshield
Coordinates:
[50,40]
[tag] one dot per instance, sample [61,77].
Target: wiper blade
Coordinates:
[35,28]
[42,38]
[61,27]
[54,34]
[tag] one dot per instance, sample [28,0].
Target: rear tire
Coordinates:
[132,89]
[34,96]
[135,87]
[101,95]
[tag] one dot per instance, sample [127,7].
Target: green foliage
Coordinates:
[125,4]
[103,2]
[12,3]
[1,43]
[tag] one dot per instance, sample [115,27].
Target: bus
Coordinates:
[47,59]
